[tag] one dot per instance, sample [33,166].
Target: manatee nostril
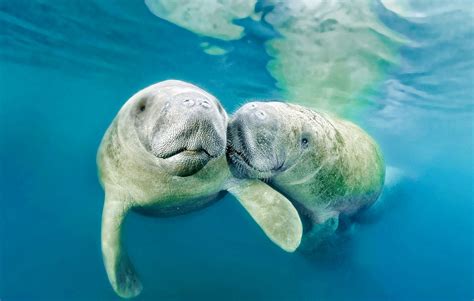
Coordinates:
[248,107]
[205,104]
[260,114]
[188,102]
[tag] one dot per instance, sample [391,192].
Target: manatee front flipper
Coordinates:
[273,212]
[119,269]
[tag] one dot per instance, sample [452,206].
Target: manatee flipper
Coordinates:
[273,212]
[119,269]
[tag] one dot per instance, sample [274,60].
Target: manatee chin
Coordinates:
[254,143]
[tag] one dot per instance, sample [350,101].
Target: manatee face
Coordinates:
[184,130]
[267,138]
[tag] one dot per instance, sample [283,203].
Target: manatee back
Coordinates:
[361,163]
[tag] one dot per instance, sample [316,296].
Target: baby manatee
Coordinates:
[327,167]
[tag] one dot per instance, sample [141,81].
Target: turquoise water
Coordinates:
[404,71]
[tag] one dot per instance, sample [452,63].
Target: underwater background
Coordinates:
[403,70]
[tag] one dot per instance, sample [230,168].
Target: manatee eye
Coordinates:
[142,107]
[304,142]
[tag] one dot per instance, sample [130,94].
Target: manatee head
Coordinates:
[181,125]
[266,139]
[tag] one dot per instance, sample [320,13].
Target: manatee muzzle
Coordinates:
[252,144]
[189,142]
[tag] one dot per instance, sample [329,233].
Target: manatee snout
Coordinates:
[253,142]
[189,130]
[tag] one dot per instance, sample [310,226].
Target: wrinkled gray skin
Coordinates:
[327,167]
[164,155]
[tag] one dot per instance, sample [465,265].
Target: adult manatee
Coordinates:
[328,167]
[164,155]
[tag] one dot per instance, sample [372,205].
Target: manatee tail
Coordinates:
[393,176]
[391,193]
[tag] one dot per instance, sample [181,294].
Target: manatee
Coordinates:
[329,168]
[164,155]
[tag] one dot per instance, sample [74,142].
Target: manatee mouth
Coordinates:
[241,163]
[244,167]
[187,145]
[188,153]
[185,162]
[240,158]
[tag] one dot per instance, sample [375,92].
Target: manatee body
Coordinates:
[327,167]
[164,155]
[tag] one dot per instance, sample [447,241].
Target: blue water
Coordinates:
[66,67]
